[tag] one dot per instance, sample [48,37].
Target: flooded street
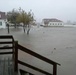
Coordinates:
[55,43]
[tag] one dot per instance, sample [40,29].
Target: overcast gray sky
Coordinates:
[61,9]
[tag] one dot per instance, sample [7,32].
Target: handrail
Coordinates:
[6,48]
[18,46]
[32,67]
[1,53]
[7,42]
[36,55]
[6,36]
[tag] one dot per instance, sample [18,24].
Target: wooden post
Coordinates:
[8,27]
[16,57]
[13,44]
[55,69]
[24,28]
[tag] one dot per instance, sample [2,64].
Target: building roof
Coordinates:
[46,21]
[2,15]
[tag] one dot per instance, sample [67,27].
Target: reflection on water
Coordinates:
[56,43]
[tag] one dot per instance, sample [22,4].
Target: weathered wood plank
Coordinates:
[6,66]
[1,67]
[2,53]
[6,48]
[6,37]
[7,42]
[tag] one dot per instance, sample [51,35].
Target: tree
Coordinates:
[29,20]
[26,19]
[12,16]
[20,16]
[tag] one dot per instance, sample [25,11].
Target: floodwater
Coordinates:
[55,43]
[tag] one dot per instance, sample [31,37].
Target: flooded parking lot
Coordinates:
[55,43]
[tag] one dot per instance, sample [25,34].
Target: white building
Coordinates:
[2,20]
[52,22]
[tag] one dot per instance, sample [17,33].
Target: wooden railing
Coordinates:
[8,42]
[6,48]
[19,47]
[15,47]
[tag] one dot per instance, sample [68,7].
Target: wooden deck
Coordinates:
[6,66]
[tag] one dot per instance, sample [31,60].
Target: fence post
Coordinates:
[16,57]
[13,44]
[8,27]
[55,69]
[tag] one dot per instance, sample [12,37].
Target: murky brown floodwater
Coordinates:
[55,43]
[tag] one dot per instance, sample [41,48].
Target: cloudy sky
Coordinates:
[61,9]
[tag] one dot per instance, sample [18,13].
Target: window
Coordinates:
[0,23]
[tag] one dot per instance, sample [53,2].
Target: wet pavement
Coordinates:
[55,43]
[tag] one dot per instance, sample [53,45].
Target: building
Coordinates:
[2,20]
[52,22]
